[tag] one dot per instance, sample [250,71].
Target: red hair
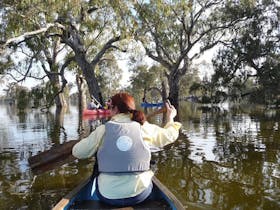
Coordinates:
[126,104]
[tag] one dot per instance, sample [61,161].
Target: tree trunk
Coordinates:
[173,82]
[163,91]
[81,84]
[82,87]
[59,123]
[89,76]
[59,99]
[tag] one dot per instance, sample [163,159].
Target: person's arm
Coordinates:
[158,136]
[88,146]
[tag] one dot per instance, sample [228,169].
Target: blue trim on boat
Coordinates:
[146,104]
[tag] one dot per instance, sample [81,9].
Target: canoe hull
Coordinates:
[96,112]
[80,198]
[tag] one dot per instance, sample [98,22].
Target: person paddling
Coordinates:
[123,151]
[94,104]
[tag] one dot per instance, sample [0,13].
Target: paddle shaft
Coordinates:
[96,101]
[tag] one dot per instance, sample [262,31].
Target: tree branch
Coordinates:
[107,46]
[27,35]
[158,59]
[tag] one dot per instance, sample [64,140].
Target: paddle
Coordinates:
[99,104]
[53,164]
[58,152]
[55,153]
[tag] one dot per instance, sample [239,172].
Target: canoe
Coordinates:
[95,116]
[96,112]
[79,198]
[148,105]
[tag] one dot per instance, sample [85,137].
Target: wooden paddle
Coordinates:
[98,103]
[58,152]
[53,164]
[53,154]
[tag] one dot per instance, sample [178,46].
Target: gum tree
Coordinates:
[252,52]
[86,31]
[175,33]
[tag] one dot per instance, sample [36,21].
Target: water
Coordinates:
[225,158]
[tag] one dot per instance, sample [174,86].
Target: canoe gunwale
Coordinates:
[166,192]
[96,112]
[177,203]
[67,198]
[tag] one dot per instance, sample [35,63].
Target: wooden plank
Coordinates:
[53,164]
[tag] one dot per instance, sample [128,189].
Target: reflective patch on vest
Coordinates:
[124,143]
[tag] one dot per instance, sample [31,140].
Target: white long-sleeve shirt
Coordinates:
[114,186]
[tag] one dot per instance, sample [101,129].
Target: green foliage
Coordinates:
[22,98]
[143,79]
[160,22]
[81,28]
[37,96]
[189,82]
[195,87]
[49,93]
[205,99]
[173,34]
[5,64]
[253,51]
[109,76]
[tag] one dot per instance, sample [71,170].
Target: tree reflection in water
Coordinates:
[231,160]
[224,158]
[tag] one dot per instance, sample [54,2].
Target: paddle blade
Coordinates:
[51,155]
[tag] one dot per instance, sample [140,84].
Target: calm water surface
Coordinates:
[225,158]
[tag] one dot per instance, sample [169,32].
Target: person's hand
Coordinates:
[171,112]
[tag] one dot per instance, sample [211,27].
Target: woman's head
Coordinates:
[125,103]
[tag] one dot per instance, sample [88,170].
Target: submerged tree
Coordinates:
[87,29]
[175,33]
[33,52]
[146,79]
